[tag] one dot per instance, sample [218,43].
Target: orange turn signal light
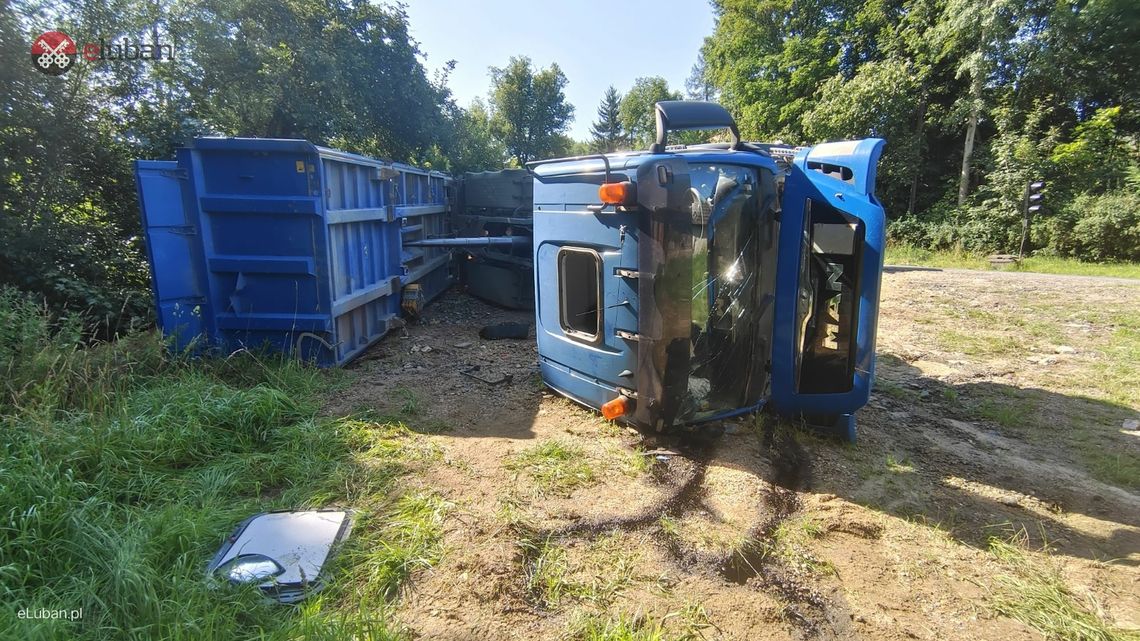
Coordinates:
[617,407]
[623,193]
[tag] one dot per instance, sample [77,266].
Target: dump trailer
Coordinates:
[682,285]
[283,245]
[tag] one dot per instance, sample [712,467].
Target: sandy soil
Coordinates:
[756,531]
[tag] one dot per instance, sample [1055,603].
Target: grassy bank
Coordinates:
[908,255]
[123,469]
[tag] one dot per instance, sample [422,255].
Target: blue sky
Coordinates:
[595,43]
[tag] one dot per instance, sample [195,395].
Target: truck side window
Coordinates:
[579,291]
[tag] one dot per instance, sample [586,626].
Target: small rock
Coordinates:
[1131,425]
[924,394]
[1065,349]
[427,348]
[731,428]
[463,345]
[1011,500]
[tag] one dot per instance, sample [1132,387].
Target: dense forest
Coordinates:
[975,98]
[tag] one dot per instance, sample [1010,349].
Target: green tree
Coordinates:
[472,146]
[335,72]
[68,213]
[638,115]
[607,131]
[529,110]
[881,100]
[973,33]
[582,148]
[1098,159]
[699,85]
[769,58]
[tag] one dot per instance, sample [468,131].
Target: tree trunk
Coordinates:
[971,126]
[918,128]
[967,153]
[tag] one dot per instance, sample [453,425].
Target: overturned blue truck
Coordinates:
[671,287]
[689,284]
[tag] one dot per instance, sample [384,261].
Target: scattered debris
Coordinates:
[283,553]
[1065,349]
[470,371]
[463,345]
[1011,500]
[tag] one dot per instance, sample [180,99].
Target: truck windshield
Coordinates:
[729,301]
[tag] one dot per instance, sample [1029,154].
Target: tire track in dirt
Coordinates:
[812,613]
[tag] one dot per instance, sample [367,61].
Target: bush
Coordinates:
[44,364]
[1097,228]
[984,227]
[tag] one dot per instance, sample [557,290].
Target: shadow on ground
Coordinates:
[984,460]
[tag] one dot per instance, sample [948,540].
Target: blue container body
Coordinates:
[280,244]
[836,178]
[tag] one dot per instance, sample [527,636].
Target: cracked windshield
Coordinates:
[725,297]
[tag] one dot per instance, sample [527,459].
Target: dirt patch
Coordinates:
[755,530]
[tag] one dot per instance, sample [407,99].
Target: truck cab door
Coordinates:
[827,293]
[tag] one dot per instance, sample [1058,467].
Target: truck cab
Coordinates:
[683,285]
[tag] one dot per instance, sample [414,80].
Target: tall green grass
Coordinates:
[898,254]
[123,467]
[1034,592]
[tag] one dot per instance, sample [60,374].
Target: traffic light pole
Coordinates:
[1031,204]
